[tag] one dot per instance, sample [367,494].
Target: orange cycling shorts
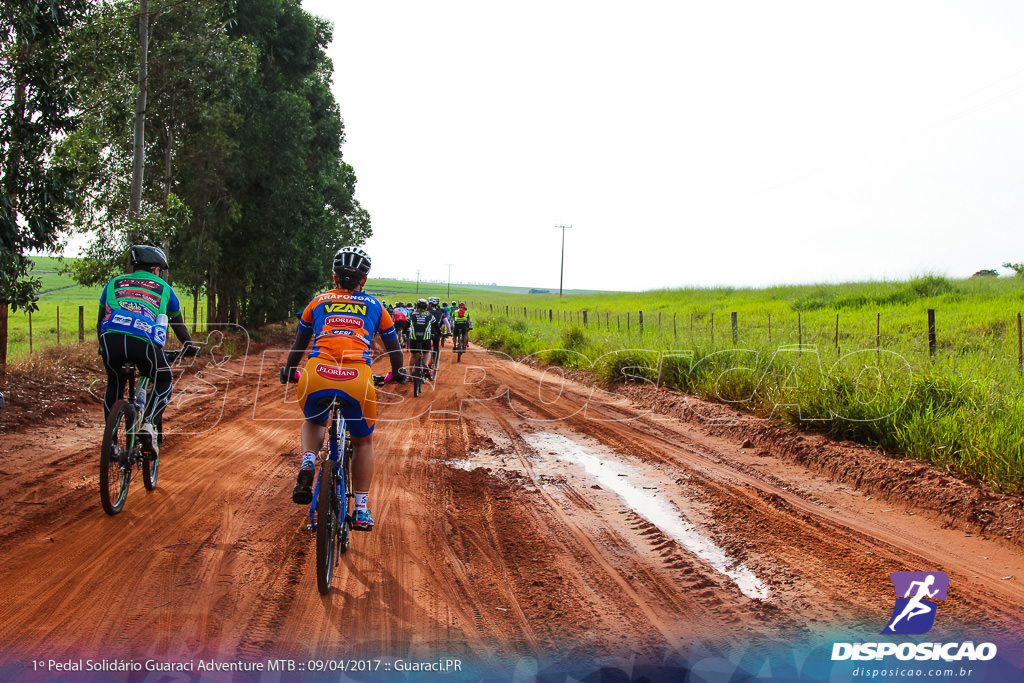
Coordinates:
[322,379]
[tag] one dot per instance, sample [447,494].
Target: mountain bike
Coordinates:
[121,455]
[460,340]
[419,375]
[330,511]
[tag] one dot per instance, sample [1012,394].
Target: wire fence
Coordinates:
[918,334]
[70,324]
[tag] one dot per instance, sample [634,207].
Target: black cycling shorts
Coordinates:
[419,345]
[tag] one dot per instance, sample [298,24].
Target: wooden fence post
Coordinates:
[735,329]
[30,332]
[769,328]
[878,334]
[641,316]
[675,330]
[932,340]
[584,318]
[81,324]
[837,333]
[58,326]
[799,330]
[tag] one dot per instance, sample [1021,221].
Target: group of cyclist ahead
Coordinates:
[445,320]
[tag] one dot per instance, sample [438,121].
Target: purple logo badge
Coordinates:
[917,594]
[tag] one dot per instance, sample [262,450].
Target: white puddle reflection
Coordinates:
[615,476]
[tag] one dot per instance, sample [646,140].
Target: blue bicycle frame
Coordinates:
[337,435]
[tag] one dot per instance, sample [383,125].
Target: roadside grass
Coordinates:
[871,379]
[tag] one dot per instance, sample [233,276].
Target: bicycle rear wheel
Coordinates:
[326,527]
[115,460]
[149,471]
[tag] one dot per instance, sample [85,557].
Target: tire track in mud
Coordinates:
[579,543]
[467,546]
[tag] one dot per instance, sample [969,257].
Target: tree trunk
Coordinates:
[223,300]
[5,308]
[168,174]
[139,162]
[211,298]
[12,178]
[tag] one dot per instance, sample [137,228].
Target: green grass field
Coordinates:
[853,360]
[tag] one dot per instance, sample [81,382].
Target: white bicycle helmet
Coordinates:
[351,259]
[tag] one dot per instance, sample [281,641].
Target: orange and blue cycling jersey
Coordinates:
[343,324]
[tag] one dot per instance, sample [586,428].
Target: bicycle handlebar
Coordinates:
[176,354]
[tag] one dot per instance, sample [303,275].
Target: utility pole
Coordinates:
[417,281]
[561,274]
[449,295]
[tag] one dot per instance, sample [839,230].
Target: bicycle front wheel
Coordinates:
[115,460]
[327,524]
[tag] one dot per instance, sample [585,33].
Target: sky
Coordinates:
[687,143]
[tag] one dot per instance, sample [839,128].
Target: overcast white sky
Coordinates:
[746,142]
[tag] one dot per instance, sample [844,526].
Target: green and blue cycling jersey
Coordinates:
[138,304]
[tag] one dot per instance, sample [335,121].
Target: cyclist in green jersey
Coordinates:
[135,312]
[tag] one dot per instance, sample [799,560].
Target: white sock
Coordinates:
[361,500]
[309,457]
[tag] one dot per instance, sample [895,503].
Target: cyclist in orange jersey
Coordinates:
[342,323]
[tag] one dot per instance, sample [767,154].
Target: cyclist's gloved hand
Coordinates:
[289,375]
[190,349]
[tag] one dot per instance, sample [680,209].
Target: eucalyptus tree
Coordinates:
[36,107]
[295,192]
[189,139]
[244,176]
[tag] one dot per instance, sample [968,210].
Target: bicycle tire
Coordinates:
[417,384]
[150,467]
[115,464]
[346,488]
[326,528]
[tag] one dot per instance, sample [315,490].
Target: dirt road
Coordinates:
[524,521]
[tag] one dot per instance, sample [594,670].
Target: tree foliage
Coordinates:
[245,181]
[35,108]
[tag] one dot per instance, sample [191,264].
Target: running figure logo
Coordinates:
[914,612]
